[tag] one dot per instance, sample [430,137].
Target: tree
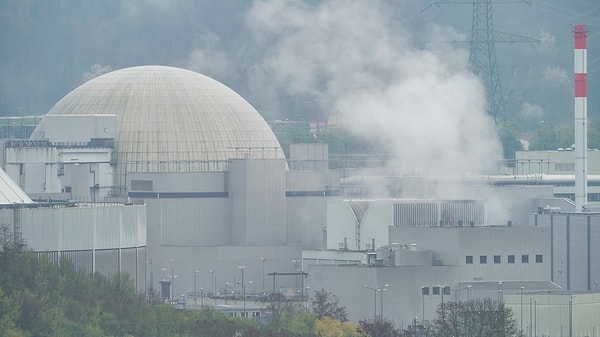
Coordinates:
[326,304]
[289,318]
[379,327]
[329,327]
[475,318]
[510,141]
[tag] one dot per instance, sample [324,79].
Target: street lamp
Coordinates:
[443,290]
[468,292]
[295,262]
[262,259]
[253,284]
[571,316]
[374,300]
[424,291]
[381,290]
[172,277]
[226,291]
[500,297]
[202,297]
[596,284]
[522,288]
[195,284]
[151,281]
[212,279]
[457,293]
[243,288]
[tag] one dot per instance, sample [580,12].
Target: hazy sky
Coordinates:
[294,59]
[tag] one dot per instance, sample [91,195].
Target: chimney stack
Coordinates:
[580,34]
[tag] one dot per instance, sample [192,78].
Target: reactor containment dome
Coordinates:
[171,120]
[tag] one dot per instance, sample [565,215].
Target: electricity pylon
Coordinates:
[482,57]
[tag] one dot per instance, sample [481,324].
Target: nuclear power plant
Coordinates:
[174,178]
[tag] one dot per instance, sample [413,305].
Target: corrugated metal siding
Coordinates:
[306,220]
[257,190]
[559,250]
[107,261]
[81,259]
[198,221]
[76,228]
[182,182]
[439,213]
[305,181]
[578,249]
[266,203]
[341,224]
[129,261]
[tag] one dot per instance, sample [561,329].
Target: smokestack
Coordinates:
[580,34]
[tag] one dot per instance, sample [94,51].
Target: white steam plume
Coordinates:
[357,62]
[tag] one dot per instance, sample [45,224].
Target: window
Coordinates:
[436,290]
[483,259]
[497,259]
[539,259]
[425,291]
[446,290]
[525,258]
[511,259]
[469,259]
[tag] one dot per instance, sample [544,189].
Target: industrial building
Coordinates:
[210,171]
[181,170]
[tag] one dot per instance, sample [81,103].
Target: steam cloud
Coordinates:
[356,61]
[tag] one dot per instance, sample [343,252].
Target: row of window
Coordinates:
[436,290]
[483,259]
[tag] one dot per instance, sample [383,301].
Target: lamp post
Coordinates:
[253,284]
[459,290]
[262,260]
[307,296]
[295,262]
[381,290]
[151,281]
[443,289]
[195,285]
[212,280]
[241,268]
[571,316]
[374,300]
[202,297]
[423,291]
[500,297]
[522,288]
[172,277]
[469,292]
[530,318]
[535,317]
[596,284]
[226,291]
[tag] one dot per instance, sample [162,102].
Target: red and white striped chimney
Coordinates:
[580,34]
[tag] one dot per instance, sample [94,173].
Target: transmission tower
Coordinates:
[482,57]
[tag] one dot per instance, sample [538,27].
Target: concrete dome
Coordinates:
[172,120]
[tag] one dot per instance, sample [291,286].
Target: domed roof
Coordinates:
[172,120]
